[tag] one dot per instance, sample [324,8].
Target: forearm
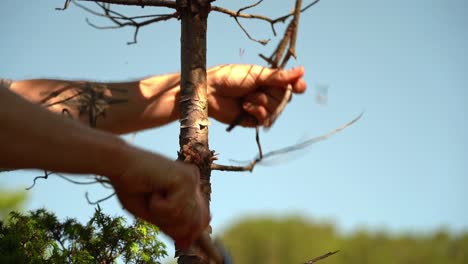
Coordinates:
[31,137]
[113,107]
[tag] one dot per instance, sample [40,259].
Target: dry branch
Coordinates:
[130,21]
[324,256]
[285,150]
[160,3]
[45,176]
[285,49]
[65,5]
[99,200]
[121,20]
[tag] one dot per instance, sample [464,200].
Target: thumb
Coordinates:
[278,77]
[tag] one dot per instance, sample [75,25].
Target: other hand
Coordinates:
[165,193]
[254,89]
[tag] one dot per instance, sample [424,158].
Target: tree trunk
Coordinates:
[193,138]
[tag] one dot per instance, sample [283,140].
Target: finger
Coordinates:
[169,206]
[258,111]
[280,78]
[138,206]
[248,120]
[135,205]
[224,109]
[189,232]
[180,196]
[275,92]
[262,99]
[299,86]
[186,227]
[193,221]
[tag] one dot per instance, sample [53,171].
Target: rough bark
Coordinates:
[193,138]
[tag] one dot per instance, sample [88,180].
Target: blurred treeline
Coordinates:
[296,240]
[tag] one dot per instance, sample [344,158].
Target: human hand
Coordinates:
[165,193]
[254,89]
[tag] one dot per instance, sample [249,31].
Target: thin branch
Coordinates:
[285,49]
[279,109]
[324,256]
[96,180]
[121,20]
[248,167]
[257,139]
[289,40]
[285,150]
[283,18]
[45,176]
[100,200]
[172,4]
[269,20]
[160,3]
[250,6]
[65,5]
[261,41]
[91,11]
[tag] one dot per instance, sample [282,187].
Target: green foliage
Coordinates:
[295,240]
[40,237]
[11,201]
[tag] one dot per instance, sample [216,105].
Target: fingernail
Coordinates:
[247,105]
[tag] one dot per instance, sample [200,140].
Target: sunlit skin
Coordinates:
[150,186]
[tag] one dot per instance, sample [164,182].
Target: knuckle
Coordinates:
[261,99]
[282,75]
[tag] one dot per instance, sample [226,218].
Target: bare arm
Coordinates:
[148,185]
[114,107]
[33,138]
[151,102]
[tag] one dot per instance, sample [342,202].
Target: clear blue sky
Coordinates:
[403,167]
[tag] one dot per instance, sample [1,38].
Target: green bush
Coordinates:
[39,237]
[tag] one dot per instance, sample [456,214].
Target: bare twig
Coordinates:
[45,176]
[248,167]
[91,11]
[130,21]
[289,37]
[288,149]
[241,15]
[249,6]
[121,20]
[261,41]
[285,49]
[283,18]
[100,200]
[257,139]
[236,121]
[279,109]
[96,180]
[65,5]
[271,21]
[324,256]
[160,3]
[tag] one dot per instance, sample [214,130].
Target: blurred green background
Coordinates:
[294,239]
